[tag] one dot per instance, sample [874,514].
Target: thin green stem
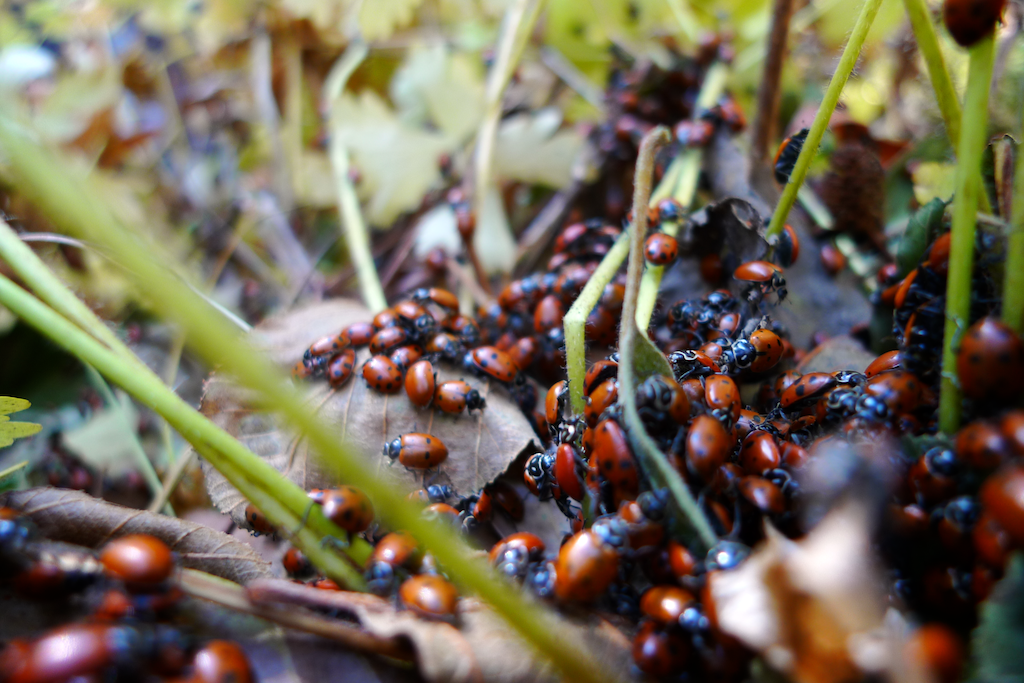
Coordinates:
[688,24]
[12,469]
[138,452]
[631,338]
[965,207]
[945,95]
[1013,274]
[252,476]
[686,167]
[828,104]
[68,202]
[355,231]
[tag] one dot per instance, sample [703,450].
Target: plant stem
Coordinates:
[942,85]
[256,480]
[828,104]
[1013,273]
[69,203]
[519,21]
[654,463]
[683,172]
[12,469]
[172,477]
[965,206]
[769,92]
[139,453]
[355,231]
[688,24]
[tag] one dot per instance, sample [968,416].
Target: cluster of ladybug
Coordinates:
[130,632]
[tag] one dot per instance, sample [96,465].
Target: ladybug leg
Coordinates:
[336,543]
[302,522]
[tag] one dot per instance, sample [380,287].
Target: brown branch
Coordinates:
[769,93]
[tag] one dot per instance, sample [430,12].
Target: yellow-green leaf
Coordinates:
[381,18]
[9,404]
[9,431]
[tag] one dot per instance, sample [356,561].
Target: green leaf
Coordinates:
[9,431]
[9,404]
[649,360]
[996,643]
[923,228]
[381,18]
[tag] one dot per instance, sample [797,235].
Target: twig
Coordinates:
[631,338]
[965,206]
[769,92]
[12,469]
[172,478]
[232,596]
[828,104]
[1013,273]
[355,231]
[481,297]
[573,77]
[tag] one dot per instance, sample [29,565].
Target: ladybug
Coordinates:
[808,386]
[707,446]
[444,345]
[257,521]
[887,361]
[492,362]
[586,566]
[430,596]
[296,563]
[759,453]
[898,389]
[681,561]
[455,396]
[441,297]
[466,328]
[221,661]
[661,249]
[511,555]
[340,367]
[769,348]
[643,532]
[692,363]
[523,352]
[762,494]
[968,21]
[349,508]
[386,318]
[141,561]
[598,373]
[660,653]
[567,471]
[409,311]
[548,314]
[1002,496]
[405,356]
[938,650]
[990,362]
[538,475]
[388,339]
[787,154]
[570,238]
[555,402]
[603,397]
[417,451]
[712,269]
[763,273]
[614,460]
[938,254]
[670,211]
[991,543]
[832,260]
[359,334]
[507,498]
[694,133]
[328,346]
[786,246]
[419,383]
[665,604]
[381,373]
[1012,427]
[309,369]
[74,650]
[723,398]
[728,111]
[932,479]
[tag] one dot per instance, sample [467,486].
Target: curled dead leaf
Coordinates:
[76,517]
[480,446]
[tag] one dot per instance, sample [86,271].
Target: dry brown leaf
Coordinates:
[482,648]
[76,517]
[480,446]
[838,353]
[814,608]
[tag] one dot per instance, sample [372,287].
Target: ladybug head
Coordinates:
[726,555]
[393,448]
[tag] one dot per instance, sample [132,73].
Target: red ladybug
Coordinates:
[602,398]
[441,297]
[763,273]
[388,339]
[759,453]
[571,237]
[455,396]
[567,471]
[257,521]
[296,563]
[642,531]
[661,249]
[762,494]
[968,21]
[787,154]
[349,508]
[507,499]
[938,254]
[466,328]
[340,367]
[681,561]
[694,133]
[990,362]
[405,356]
[665,604]
[723,398]
[75,650]
[141,561]
[832,260]
[808,386]
[524,352]
[898,389]
[1002,496]
[890,360]
[386,318]
[409,311]
[492,362]
[554,403]
[444,345]
[707,446]
[328,346]
[221,661]
[420,383]
[417,451]
[730,113]
[548,314]
[359,334]
[769,347]
[660,653]
[982,446]
[614,460]
[598,373]
[938,650]
[530,544]
[787,247]
[381,373]
[586,566]
[396,550]
[430,596]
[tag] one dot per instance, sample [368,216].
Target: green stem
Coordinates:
[12,469]
[356,235]
[253,477]
[69,203]
[688,24]
[1013,273]
[686,167]
[965,206]
[139,453]
[945,95]
[828,104]
[654,463]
